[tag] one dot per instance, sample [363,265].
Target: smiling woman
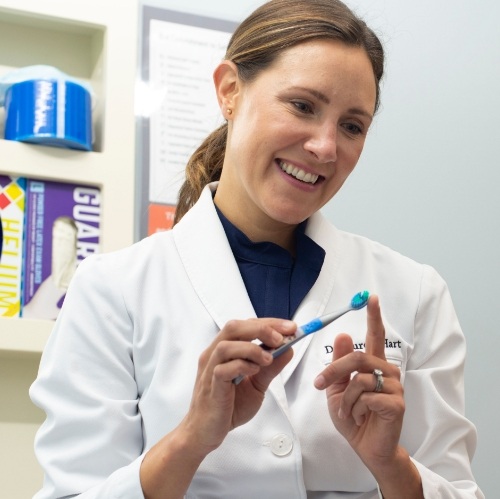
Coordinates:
[139,394]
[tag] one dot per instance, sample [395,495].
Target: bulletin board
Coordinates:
[176,105]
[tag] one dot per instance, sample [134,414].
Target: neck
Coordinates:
[260,231]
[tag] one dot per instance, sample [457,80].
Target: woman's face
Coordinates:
[295,134]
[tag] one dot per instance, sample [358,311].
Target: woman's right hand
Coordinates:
[218,405]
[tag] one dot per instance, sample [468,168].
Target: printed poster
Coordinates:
[176,104]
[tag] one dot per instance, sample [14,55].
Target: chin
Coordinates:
[294,211]
[289,217]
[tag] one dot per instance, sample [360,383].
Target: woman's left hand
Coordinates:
[370,421]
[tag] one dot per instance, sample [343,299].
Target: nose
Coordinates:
[323,144]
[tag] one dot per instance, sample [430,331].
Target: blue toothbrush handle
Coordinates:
[313,326]
[289,341]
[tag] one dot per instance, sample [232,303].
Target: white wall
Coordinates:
[428,182]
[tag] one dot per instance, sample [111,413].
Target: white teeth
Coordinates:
[300,174]
[296,172]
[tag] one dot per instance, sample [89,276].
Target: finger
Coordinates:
[388,407]
[342,347]
[267,367]
[375,334]
[360,362]
[364,383]
[269,331]
[232,358]
[360,410]
[262,379]
[226,372]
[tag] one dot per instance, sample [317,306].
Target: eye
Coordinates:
[353,128]
[303,107]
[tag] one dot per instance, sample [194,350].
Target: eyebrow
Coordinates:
[323,98]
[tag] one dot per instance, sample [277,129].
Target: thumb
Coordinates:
[342,346]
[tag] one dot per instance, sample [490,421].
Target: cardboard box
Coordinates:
[62,228]
[12,199]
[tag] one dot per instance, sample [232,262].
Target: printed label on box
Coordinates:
[12,199]
[62,228]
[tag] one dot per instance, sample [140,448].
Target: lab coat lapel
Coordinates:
[316,301]
[209,262]
[213,271]
[214,274]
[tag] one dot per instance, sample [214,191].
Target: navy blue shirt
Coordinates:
[276,282]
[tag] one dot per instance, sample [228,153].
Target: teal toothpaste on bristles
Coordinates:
[360,300]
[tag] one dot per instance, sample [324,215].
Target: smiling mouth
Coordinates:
[294,171]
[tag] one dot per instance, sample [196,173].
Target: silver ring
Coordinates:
[379,385]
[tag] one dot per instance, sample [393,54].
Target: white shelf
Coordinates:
[52,163]
[23,336]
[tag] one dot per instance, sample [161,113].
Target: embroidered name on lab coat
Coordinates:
[389,344]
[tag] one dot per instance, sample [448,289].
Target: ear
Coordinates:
[227,86]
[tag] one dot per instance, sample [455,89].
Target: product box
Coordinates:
[12,199]
[62,228]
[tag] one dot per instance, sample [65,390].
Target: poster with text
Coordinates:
[176,105]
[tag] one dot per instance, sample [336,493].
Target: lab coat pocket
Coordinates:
[395,353]
[397,360]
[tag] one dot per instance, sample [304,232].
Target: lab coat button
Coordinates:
[281,445]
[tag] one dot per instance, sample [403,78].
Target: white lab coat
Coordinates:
[118,370]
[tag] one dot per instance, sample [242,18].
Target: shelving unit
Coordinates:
[91,41]
[96,42]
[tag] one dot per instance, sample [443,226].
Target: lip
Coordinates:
[296,181]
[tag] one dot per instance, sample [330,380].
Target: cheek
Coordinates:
[259,137]
[351,152]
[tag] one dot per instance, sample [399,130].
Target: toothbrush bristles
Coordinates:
[360,299]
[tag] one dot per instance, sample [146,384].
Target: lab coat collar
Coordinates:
[209,262]
[214,274]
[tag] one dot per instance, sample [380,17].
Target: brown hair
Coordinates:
[256,43]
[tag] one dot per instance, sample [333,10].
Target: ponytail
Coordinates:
[204,166]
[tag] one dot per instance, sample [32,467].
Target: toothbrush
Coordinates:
[358,301]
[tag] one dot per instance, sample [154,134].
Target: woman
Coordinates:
[137,378]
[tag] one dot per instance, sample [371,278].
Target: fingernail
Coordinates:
[288,325]
[320,382]
[341,414]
